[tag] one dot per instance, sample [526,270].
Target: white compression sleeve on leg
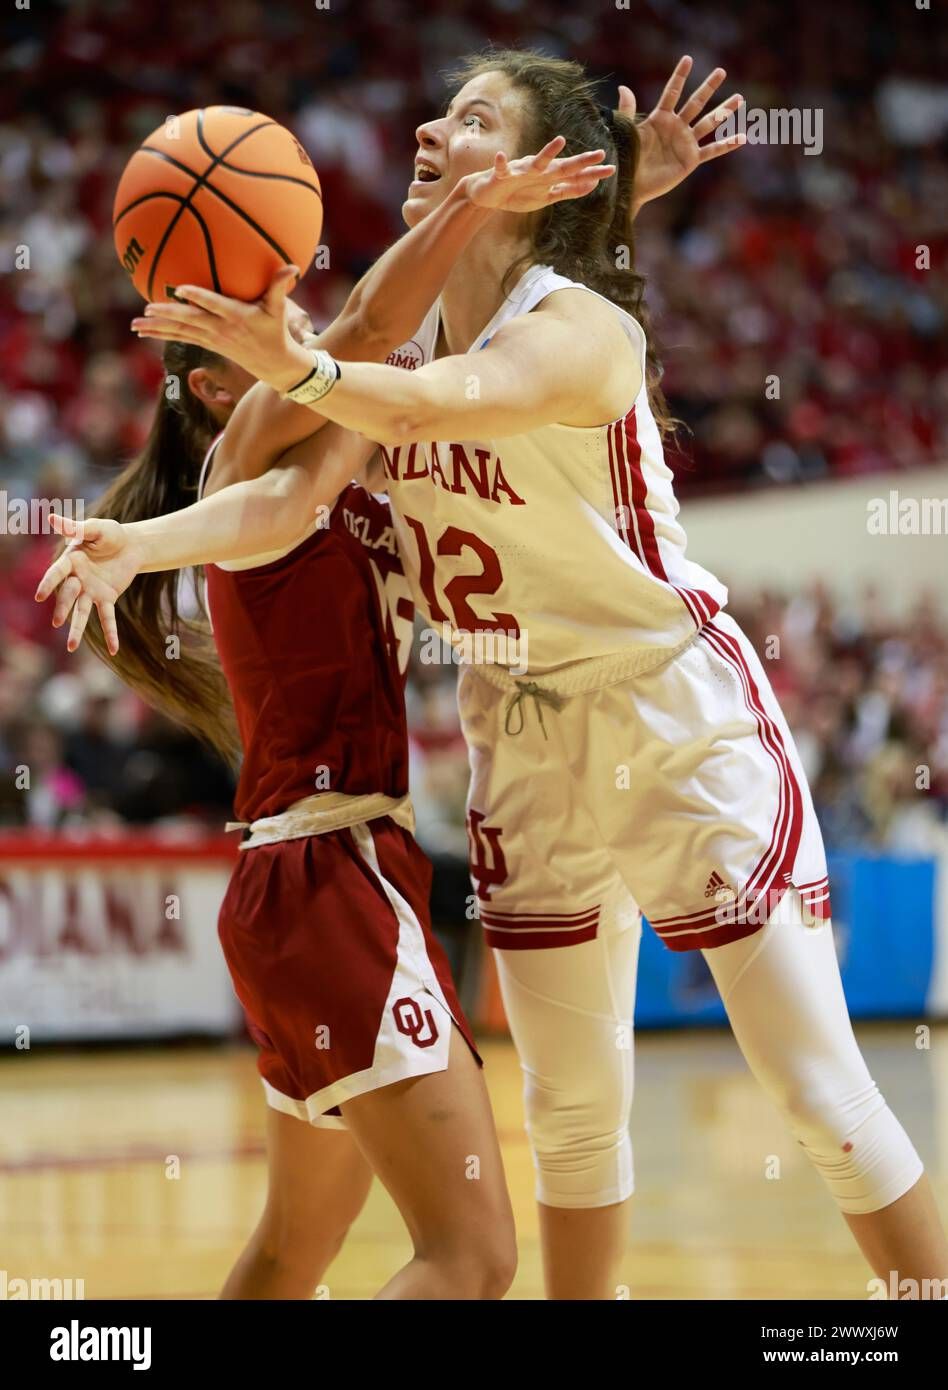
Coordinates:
[784,997]
[570,1013]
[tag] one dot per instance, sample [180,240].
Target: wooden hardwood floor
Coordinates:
[87,1143]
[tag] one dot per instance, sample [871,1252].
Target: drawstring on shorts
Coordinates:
[540,698]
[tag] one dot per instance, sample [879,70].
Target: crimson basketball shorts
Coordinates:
[678,790]
[343,984]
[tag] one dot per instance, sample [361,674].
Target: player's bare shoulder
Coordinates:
[609,339]
[590,314]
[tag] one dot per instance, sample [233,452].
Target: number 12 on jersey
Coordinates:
[456,609]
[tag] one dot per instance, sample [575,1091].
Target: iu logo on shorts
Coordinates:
[410,1020]
[487,863]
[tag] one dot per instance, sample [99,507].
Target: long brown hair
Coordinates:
[581,238]
[164,477]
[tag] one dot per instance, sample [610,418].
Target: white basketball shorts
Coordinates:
[679,790]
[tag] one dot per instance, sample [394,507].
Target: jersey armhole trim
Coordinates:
[202,480]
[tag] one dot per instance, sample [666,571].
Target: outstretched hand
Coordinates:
[670,140]
[92,572]
[262,336]
[537,180]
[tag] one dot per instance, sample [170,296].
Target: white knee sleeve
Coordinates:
[570,1013]
[583,1157]
[856,1144]
[785,1000]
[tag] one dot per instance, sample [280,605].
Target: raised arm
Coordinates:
[273,512]
[569,362]
[384,309]
[670,145]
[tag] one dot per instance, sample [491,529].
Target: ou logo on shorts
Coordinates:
[410,1020]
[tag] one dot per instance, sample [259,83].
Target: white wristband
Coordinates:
[326,372]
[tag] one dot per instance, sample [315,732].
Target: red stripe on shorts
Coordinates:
[533,931]
[767,872]
[769,880]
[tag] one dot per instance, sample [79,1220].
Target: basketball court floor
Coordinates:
[726,1205]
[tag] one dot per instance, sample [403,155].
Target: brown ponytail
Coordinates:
[191,690]
[587,239]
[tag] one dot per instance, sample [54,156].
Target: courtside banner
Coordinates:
[937,1002]
[890,925]
[885,937]
[113,938]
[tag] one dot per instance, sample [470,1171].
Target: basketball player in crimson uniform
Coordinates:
[643,759]
[366,1059]
[325,925]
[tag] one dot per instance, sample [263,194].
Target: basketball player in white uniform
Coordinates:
[626,747]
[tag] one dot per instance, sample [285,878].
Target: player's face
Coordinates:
[486,116]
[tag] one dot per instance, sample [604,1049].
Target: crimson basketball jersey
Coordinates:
[566,536]
[314,646]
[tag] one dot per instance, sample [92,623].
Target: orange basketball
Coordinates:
[219,198]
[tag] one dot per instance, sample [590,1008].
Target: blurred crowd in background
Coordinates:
[769,266]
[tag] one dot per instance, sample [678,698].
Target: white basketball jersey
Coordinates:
[566,536]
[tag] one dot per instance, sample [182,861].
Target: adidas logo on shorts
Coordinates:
[719,890]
